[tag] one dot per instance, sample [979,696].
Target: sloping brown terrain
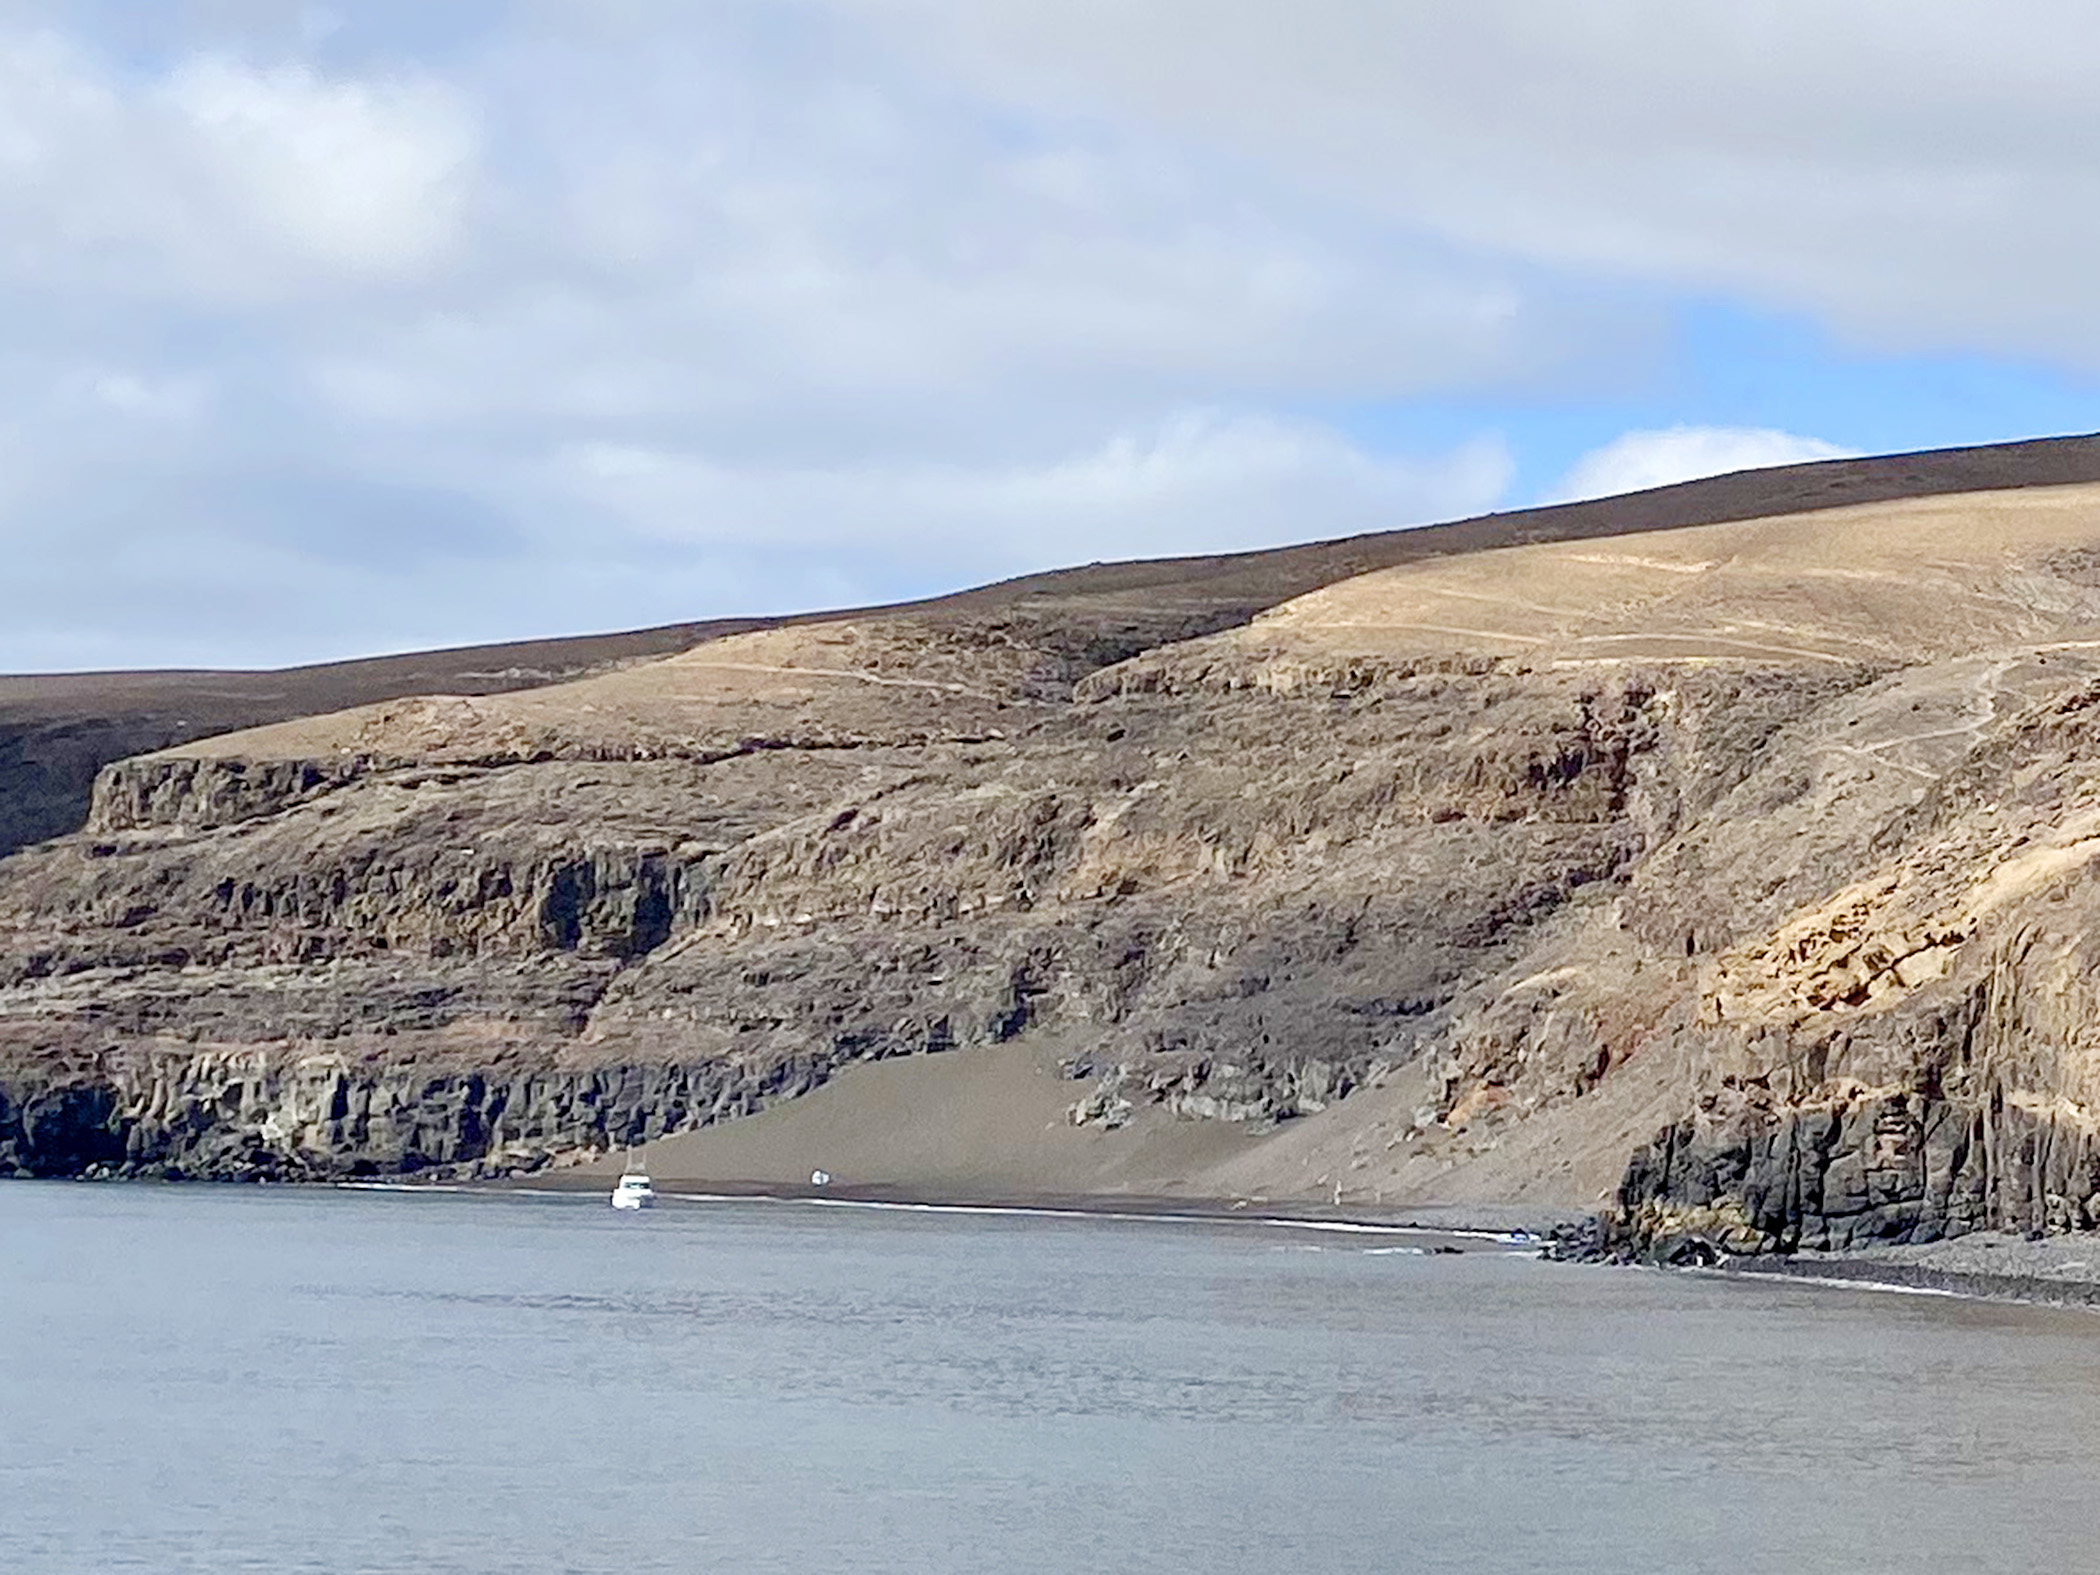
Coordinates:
[58,729]
[1737,829]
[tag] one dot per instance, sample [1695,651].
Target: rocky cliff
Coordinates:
[1722,851]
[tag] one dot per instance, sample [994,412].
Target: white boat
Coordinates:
[633,1190]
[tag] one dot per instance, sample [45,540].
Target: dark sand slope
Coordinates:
[993,1126]
[982,1125]
[1739,830]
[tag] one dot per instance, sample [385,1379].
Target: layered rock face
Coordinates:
[1913,1053]
[1737,871]
[1246,901]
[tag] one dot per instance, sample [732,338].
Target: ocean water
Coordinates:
[217,1379]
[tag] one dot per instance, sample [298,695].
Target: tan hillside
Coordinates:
[57,730]
[1738,833]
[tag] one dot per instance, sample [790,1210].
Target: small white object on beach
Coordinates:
[633,1190]
[820,1178]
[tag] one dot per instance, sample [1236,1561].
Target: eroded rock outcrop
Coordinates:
[299,1116]
[1878,1167]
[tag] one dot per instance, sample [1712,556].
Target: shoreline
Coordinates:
[1987,1266]
[2053,1271]
[1483,1221]
[1498,1222]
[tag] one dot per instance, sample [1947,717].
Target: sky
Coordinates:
[334,330]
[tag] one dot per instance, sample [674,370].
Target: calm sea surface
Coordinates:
[224,1379]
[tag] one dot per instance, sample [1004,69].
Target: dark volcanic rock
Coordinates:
[1876,1169]
[249,1116]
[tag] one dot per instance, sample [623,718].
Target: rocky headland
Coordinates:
[1719,855]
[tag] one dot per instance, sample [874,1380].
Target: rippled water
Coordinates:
[222,1379]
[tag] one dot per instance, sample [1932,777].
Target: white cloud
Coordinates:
[1915,171]
[414,324]
[370,177]
[1639,460]
[217,180]
[319,366]
[844,254]
[1199,482]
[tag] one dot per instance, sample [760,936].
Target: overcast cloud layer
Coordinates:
[341,332]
